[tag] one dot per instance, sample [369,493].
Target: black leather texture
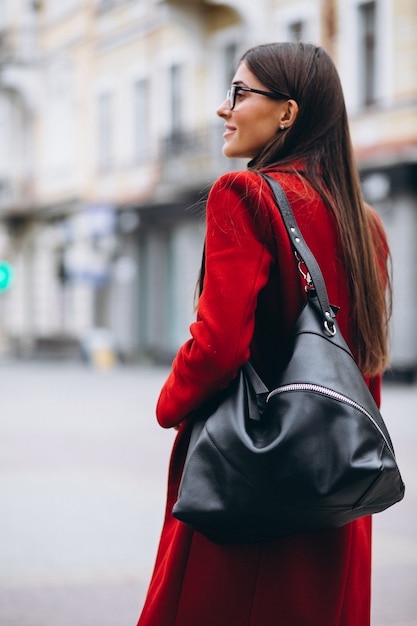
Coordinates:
[305,460]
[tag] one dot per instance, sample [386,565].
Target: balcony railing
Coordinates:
[192,158]
[15,194]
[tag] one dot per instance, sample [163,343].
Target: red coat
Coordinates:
[252,295]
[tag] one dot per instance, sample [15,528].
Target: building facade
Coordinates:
[111,142]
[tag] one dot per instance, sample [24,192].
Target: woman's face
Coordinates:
[255,119]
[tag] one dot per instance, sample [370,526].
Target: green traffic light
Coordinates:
[6,275]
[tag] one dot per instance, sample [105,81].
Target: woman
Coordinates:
[286,113]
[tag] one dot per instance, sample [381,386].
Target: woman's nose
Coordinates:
[224,109]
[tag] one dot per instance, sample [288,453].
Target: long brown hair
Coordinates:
[320,136]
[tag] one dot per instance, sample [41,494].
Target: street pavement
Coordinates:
[82,490]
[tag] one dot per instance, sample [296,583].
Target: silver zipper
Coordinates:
[332,394]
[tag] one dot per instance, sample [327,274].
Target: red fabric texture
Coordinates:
[252,295]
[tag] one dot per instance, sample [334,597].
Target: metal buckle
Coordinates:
[304,272]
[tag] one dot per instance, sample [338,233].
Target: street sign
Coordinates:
[6,275]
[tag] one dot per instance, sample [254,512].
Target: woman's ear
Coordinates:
[288,114]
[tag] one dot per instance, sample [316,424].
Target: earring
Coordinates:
[282,127]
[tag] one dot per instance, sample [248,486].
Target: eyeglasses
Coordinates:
[234,89]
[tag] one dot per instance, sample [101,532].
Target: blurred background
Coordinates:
[109,143]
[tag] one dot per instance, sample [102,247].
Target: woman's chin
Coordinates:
[230,153]
[227,151]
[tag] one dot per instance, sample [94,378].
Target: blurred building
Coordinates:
[110,143]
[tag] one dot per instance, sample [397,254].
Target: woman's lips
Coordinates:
[228,130]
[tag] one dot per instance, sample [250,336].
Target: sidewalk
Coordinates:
[82,486]
[395,530]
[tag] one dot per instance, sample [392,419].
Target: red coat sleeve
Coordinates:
[237,268]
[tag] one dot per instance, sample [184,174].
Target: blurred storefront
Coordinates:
[390,185]
[110,144]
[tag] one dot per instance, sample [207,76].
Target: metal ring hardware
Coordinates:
[329,325]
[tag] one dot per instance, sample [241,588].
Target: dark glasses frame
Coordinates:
[234,89]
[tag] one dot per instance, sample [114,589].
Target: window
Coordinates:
[105,130]
[175,78]
[59,122]
[367,53]
[175,139]
[141,114]
[296,30]
[300,20]
[230,61]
